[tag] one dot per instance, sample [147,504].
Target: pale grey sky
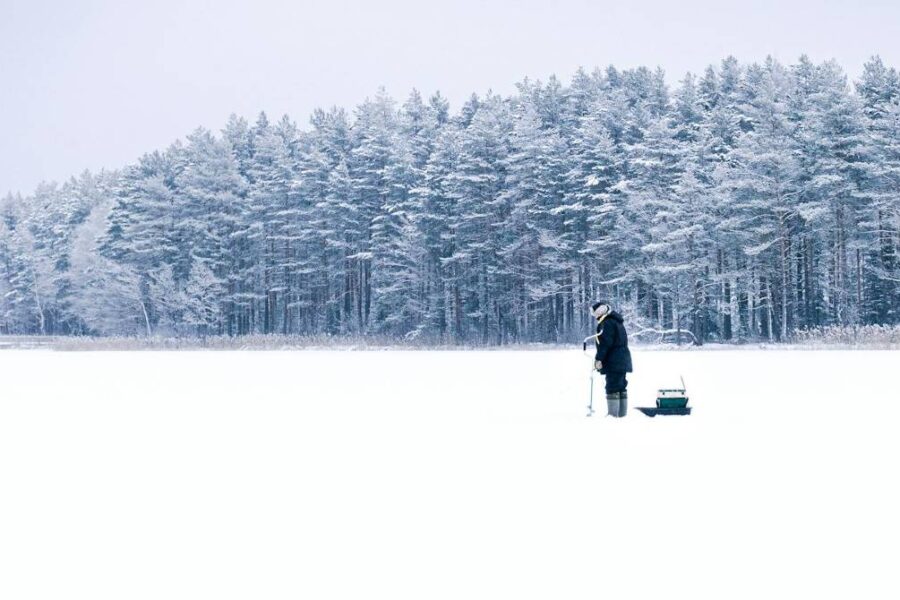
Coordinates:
[92,84]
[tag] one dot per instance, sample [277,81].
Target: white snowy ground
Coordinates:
[459,475]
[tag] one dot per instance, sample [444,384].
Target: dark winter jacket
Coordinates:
[612,345]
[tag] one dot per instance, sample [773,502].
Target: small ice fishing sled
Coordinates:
[672,401]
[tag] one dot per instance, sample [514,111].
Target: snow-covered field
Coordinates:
[446,475]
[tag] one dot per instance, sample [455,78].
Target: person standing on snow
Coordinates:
[613,359]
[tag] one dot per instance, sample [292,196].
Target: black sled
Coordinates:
[652,411]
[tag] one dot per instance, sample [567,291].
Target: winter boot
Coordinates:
[612,404]
[623,403]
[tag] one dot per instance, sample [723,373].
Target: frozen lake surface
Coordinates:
[446,475]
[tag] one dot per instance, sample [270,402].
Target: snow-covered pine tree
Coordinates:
[475,187]
[879,92]
[210,192]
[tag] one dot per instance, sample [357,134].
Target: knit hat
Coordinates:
[600,309]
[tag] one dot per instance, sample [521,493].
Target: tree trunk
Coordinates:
[785,249]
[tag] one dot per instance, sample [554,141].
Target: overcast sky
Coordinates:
[92,84]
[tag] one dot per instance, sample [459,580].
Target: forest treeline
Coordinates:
[749,203]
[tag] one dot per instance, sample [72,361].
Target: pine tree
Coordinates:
[211,192]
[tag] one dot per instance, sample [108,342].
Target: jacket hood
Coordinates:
[616,317]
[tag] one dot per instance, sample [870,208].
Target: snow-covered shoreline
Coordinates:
[280,343]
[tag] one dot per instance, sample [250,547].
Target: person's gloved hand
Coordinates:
[598,365]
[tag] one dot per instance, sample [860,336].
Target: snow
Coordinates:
[325,474]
